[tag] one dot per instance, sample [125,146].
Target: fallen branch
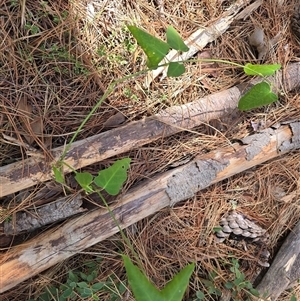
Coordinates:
[24,261]
[285,269]
[20,175]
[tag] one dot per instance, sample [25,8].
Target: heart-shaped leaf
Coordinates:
[58,175]
[261,70]
[142,288]
[176,288]
[154,48]
[174,39]
[112,178]
[85,179]
[175,69]
[259,95]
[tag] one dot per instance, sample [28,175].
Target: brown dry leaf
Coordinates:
[24,109]
[114,120]
[37,126]
[208,67]
[32,126]
[257,39]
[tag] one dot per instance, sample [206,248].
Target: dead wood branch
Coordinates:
[285,269]
[44,215]
[25,261]
[17,176]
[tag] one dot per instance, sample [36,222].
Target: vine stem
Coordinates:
[98,104]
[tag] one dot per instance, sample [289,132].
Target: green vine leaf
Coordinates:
[85,179]
[154,48]
[174,40]
[112,178]
[144,290]
[175,69]
[258,96]
[261,70]
[176,288]
[58,175]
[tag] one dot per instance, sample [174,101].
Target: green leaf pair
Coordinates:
[110,179]
[144,290]
[156,49]
[260,94]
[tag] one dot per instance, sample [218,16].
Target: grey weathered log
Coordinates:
[20,175]
[46,214]
[285,269]
[24,261]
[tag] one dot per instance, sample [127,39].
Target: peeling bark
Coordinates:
[44,215]
[53,246]
[194,177]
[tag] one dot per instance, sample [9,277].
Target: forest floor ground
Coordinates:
[58,58]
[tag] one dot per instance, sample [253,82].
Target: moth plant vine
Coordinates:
[112,178]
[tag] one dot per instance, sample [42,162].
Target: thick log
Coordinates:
[285,269]
[20,175]
[25,261]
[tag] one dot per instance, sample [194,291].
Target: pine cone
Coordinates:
[239,225]
[295,21]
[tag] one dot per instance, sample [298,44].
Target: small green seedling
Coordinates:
[211,288]
[83,285]
[239,284]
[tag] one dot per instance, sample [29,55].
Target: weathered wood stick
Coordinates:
[24,261]
[285,269]
[20,175]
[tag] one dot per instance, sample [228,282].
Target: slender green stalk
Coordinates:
[98,104]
